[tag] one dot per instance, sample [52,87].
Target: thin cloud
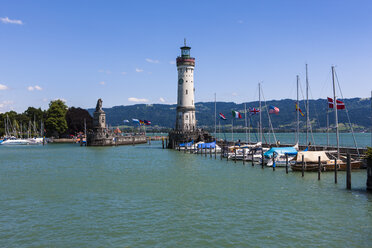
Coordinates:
[162,99]
[102,83]
[172,62]
[234,94]
[139,70]
[240,21]
[124,73]
[32,88]
[134,99]
[153,61]
[3,87]
[108,72]
[6,20]
[5,103]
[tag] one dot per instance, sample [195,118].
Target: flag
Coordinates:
[254,111]
[273,110]
[126,121]
[222,117]
[298,109]
[236,114]
[147,123]
[339,104]
[136,120]
[141,122]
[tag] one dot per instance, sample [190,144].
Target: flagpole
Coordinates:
[219,129]
[232,129]
[245,117]
[249,130]
[335,108]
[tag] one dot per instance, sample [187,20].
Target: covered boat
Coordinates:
[279,154]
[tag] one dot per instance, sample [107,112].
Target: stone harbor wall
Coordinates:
[113,140]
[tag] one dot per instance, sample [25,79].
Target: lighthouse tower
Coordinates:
[186,130]
[185,120]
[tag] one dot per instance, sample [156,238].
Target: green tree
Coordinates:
[55,123]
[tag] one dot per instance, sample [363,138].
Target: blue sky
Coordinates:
[124,51]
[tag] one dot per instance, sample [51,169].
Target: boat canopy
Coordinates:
[281,151]
[207,145]
[312,156]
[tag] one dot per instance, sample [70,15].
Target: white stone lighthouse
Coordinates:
[185,120]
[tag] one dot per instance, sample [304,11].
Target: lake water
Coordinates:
[64,195]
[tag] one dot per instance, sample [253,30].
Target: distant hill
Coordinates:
[163,115]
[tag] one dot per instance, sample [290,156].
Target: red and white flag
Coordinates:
[339,104]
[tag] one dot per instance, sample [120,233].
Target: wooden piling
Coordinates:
[286,163]
[162,142]
[222,151]
[319,168]
[335,170]
[348,172]
[303,166]
[205,152]
[262,158]
[215,151]
[243,156]
[273,161]
[210,152]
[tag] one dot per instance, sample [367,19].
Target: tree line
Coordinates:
[57,121]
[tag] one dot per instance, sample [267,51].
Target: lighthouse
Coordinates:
[185,129]
[185,120]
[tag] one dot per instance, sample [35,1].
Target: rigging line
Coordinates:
[268,115]
[325,82]
[316,112]
[347,114]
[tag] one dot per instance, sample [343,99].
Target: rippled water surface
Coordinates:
[144,196]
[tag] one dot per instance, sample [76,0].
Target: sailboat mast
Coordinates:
[335,109]
[215,117]
[307,108]
[298,115]
[259,99]
[245,119]
[327,125]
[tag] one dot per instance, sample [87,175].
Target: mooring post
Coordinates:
[319,168]
[234,155]
[348,172]
[262,158]
[251,152]
[222,151]
[335,170]
[205,152]
[215,151]
[227,157]
[303,166]
[243,156]
[162,142]
[273,161]
[210,151]
[286,163]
